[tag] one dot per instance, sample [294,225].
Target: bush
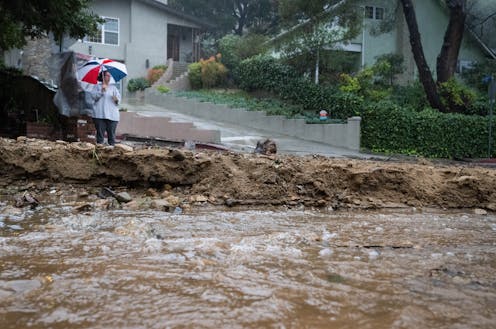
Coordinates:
[207,73]
[234,48]
[387,127]
[163,89]
[455,96]
[228,46]
[194,75]
[213,72]
[266,73]
[412,95]
[137,84]
[386,68]
[160,67]
[155,73]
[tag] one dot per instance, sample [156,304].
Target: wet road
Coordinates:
[247,269]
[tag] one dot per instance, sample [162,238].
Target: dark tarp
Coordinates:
[71,98]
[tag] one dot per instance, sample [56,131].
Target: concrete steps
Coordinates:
[175,77]
[178,70]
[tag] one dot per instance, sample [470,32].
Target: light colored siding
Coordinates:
[148,39]
[114,9]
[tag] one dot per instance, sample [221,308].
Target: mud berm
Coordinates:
[232,179]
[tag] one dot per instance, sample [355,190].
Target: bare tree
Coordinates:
[425,74]
[448,57]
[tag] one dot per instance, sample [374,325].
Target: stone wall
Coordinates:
[34,58]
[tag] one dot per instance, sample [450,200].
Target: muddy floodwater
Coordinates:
[215,268]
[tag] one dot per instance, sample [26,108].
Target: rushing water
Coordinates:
[247,269]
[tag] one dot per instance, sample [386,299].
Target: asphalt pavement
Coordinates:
[243,139]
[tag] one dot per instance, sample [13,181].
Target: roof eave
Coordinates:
[166,8]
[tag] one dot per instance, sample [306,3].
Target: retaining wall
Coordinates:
[345,135]
[134,124]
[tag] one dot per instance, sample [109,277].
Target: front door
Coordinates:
[173,46]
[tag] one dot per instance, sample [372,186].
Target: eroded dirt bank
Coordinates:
[247,179]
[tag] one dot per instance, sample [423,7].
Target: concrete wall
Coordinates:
[134,124]
[339,135]
[113,9]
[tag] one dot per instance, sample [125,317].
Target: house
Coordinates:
[432,19]
[139,33]
[384,31]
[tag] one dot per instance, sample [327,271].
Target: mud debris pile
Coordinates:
[231,179]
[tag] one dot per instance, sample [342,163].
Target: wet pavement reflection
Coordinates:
[247,269]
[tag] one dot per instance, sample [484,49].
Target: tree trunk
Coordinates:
[240,13]
[425,74]
[317,67]
[448,57]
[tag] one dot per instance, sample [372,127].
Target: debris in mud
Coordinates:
[266,147]
[27,199]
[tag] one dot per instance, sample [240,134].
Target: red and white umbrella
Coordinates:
[89,72]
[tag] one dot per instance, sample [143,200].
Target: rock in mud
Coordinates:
[123,197]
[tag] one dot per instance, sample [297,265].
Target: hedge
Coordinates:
[386,127]
[266,73]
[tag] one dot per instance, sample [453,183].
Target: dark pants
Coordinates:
[102,126]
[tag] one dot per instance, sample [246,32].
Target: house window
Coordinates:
[374,12]
[108,32]
[369,12]
[379,13]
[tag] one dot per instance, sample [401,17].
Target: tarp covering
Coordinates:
[71,98]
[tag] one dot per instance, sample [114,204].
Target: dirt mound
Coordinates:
[249,179]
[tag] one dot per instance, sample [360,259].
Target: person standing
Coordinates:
[106,112]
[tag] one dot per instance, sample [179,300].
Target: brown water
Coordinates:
[247,269]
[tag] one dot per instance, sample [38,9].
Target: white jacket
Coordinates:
[105,107]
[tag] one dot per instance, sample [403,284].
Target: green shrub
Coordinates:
[386,68]
[228,47]
[387,127]
[235,48]
[207,73]
[268,74]
[194,75]
[412,95]
[137,84]
[160,67]
[362,84]
[456,96]
[163,89]
[213,72]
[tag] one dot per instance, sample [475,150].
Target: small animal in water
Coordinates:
[266,147]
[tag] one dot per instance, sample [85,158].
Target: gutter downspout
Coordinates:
[363,38]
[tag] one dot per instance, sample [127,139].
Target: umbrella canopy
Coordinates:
[89,72]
